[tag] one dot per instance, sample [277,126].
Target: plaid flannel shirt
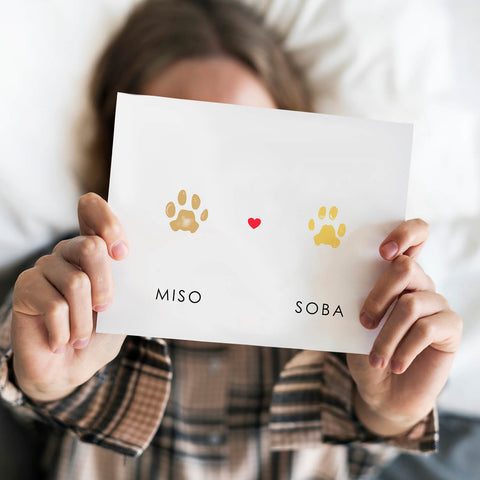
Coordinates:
[169,409]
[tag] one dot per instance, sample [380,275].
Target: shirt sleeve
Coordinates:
[120,407]
[312,404]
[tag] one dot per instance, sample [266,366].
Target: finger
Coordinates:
[74,285]
[407,239]
[35,296]
[409,308]
[402,274]
[441,331]
[90,254]
[96,218]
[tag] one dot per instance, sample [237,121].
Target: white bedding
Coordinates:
[400,60]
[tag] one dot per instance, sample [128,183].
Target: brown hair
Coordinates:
[159,33]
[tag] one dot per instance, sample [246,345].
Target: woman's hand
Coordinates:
[55,305]
[398,383]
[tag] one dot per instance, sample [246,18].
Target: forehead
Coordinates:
[221,80]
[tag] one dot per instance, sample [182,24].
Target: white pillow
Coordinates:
[49,48]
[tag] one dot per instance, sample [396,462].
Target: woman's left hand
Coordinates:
[398,383]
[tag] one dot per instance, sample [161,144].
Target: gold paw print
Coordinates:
[327,234]
[186,218]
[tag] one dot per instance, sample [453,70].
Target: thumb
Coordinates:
[95,217]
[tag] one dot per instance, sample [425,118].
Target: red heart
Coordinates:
[254,222]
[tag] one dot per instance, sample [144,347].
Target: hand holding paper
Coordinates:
[413,353]
[55,307]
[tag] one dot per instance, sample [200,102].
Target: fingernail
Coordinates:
[102,307]
[366,320]
[60,349]
[389,250]
[83,342]
[395,366]
[119,250]
[375,360]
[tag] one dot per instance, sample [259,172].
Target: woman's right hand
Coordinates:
[55,305]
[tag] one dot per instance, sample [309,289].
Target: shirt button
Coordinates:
[214,365]
[215,439]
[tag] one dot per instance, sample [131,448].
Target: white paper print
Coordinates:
[250,225]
